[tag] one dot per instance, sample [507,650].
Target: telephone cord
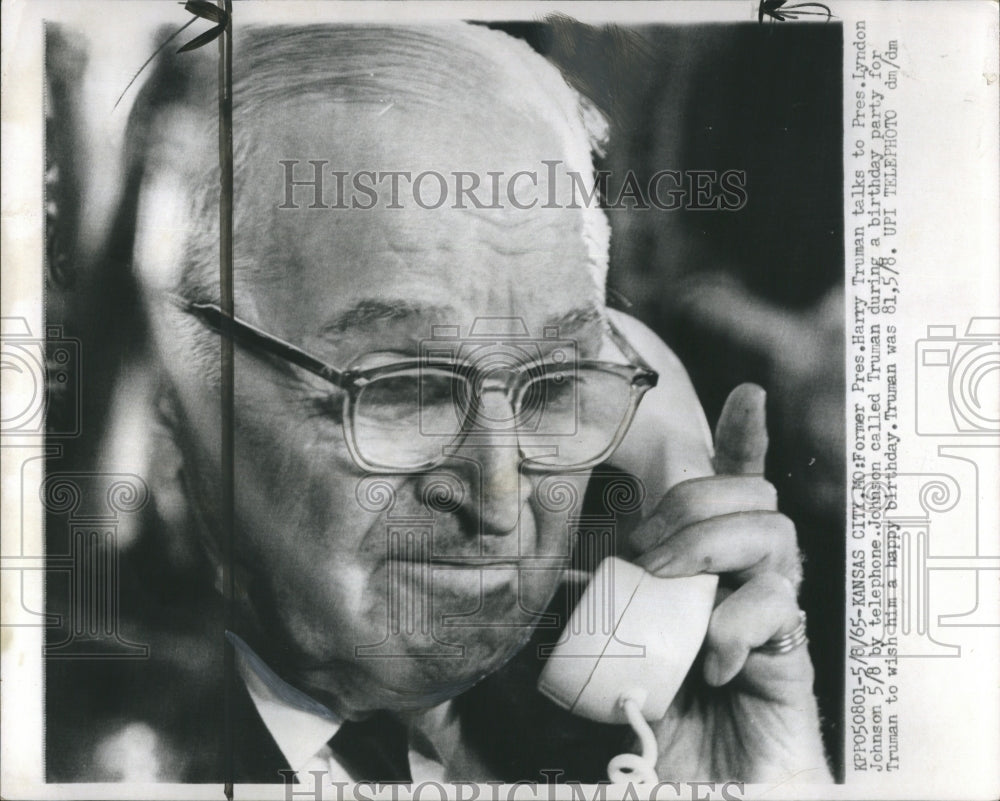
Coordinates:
[635,768]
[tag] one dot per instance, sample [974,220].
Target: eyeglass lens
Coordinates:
[560,417]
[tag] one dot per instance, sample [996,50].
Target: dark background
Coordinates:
[748,295]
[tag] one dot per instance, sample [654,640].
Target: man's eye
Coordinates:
[559,387]
[390,398]
[330,406]
[435,390]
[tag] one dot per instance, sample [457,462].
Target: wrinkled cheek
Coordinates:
[293,493]
[330,614]
[304,538]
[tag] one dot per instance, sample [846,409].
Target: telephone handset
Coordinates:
[631,670]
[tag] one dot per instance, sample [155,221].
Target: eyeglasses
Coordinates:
[562,413]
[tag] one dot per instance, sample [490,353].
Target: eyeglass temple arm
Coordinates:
[244,333]
[619,339]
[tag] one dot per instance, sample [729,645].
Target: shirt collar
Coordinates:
[300,725]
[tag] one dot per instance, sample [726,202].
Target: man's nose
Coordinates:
[489,461]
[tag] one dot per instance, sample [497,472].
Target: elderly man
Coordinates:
[373,310]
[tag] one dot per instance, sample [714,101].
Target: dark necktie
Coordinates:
[374,749]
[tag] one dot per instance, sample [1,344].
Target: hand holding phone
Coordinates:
[723,522]
[665,619]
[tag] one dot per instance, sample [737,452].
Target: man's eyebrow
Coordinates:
[368,313]
[576,319]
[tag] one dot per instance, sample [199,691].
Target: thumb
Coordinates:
[741,433]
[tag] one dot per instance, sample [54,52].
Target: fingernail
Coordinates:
[741,433]
[657,563]
[747,399]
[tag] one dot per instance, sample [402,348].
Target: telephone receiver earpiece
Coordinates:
[633,637]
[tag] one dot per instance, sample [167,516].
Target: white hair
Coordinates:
[421,66]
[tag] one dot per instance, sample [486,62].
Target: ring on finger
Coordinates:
[786,643]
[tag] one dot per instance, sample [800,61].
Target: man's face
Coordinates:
[337,558]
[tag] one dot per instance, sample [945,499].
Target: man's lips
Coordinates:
[472,574]
[494,562]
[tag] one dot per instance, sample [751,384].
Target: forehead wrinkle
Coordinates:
[533,219]
[537,216]
[409,237]
[447,245]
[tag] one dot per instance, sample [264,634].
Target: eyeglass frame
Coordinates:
[642,378]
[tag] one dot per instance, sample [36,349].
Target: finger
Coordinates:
[763,608]
[701,498]
[746,544]
[741,433]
